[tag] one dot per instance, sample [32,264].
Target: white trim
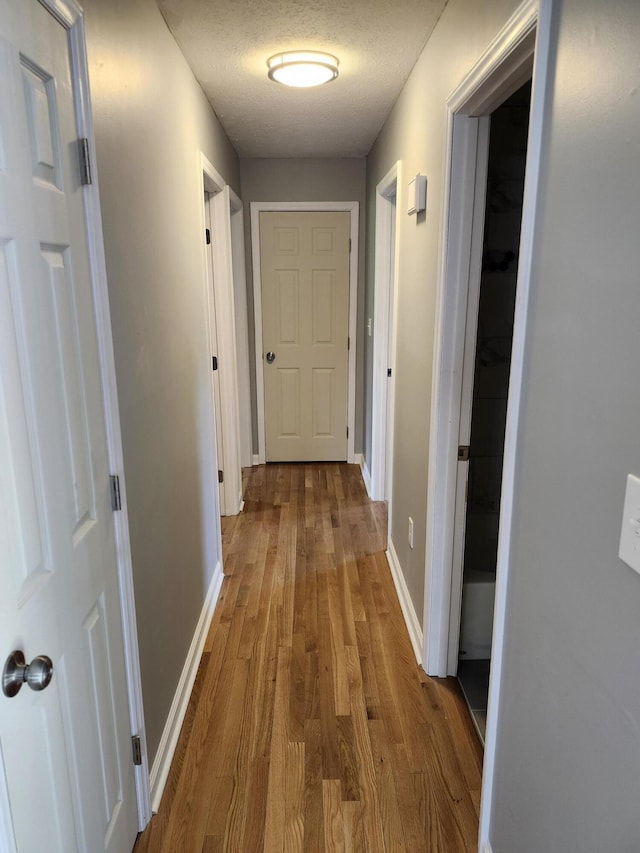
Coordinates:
[7,830]
[242,328]
[68,12]
[486,847]
[171,732]
[542,83]
[406,604]
[366,475]
[464,264]
[70,15]
[224,316]
[385,314]
[502,69]
[352,207]
[255,459]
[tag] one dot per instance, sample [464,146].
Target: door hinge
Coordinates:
[220,476]
[349,245]
[207,234]
[116,500]
[85,161]
[348,343]
[463,453]
[389,371]
[347,432]
[137,749]
[214,362]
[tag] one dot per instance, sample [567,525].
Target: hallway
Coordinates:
[310,726]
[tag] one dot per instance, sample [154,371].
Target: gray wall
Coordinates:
[414,133]
[568,762]
[568,757]
[340,179]
[151,120]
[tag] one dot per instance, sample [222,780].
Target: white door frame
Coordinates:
[224,317]
[501,70]
[385,314]
[352,207]
[242,328]
[470,156]
[69,14]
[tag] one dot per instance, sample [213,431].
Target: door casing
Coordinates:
[224,317]
[387,263]
[242,328]
[352,207]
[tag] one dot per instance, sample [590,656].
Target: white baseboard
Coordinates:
[408,611]
[169,739]
[256,458]
[366,475]
[357,459]
[485,847]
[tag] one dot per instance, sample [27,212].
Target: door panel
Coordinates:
[323,405]
[288,296]
[288,404]
[65,752]
[305,307]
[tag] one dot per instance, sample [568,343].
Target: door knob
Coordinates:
[271,357]
[17,671]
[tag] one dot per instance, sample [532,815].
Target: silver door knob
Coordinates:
[17,671]
[271,357]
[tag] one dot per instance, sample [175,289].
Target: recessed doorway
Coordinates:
[487,364]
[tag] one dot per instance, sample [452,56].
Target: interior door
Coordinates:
[304,260]
[66,770]
[213,331]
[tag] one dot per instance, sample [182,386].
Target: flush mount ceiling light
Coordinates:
[303,68]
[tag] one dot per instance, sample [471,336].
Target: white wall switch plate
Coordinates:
[417,201]
[630,535]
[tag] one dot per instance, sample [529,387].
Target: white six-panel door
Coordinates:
[66,772]
[305,328]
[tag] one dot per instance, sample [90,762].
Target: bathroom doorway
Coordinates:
[489,369]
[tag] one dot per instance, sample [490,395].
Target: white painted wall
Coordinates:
[568,754]
[151,122]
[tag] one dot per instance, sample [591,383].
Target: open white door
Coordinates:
[387,259]
[213,333]
[218,269]
[66,769]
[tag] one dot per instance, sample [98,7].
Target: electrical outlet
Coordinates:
[410,536]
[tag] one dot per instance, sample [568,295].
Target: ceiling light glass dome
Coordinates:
[303,68]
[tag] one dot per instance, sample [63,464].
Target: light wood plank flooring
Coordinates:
[310,726]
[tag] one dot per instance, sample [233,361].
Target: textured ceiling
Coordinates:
[227,43]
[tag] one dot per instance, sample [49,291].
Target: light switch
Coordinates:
[630,535]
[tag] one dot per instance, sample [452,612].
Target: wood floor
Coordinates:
[310,726]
